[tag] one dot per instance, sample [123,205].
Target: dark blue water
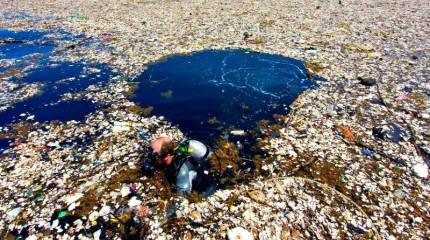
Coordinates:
[4,143]
[209,91]
[32,42]
[46,106]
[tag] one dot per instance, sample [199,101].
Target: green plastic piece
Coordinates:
[75,18]
[38,198]
[62,214]
[343,178]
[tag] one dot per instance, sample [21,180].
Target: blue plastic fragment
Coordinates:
[226,137]
[408,89]
[97,163]
[391,132]
[143,134]
[2,150]
[367,152]
[355,229]
[396,133]
[276,134]
[30,192]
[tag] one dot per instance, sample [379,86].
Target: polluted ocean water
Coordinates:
[214,96]
[349,160]
[210,91]
[218,97]
[25,60]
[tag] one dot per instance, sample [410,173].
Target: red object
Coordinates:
[41,147]
[73,190]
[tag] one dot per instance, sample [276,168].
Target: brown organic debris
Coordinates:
[147,111]
[226,156]
[214,121]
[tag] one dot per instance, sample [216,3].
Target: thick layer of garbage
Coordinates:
[349,161]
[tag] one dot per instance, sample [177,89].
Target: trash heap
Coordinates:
[349,161]
[13,65]
[14,92]
[71,168]
[295,207]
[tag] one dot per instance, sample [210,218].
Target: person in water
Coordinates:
[183,161]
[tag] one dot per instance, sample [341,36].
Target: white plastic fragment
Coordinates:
[239,233]
[79,224]
[125,191]
[104,211]
[73,198]
[31,237]
[237,132]
[55,223]
[120,127]
[97,234]
[421,170]
[11,215]
[134,202]
[72,207]
[93,216]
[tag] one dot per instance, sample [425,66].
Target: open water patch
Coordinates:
[218,97]
[210,91]
[25,58]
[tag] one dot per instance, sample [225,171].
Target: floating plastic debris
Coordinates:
[237,132]
[367,152]
[239,233]
[62,214]
[421,170]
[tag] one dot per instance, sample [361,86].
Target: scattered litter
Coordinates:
[125,191]
[143,134]
[367,152]
[344,179]
[421,170]
[104,211]
[351,195]
[62,214]
[12,214]
[120,127]
[133,202]
[367,81]
[239,233]
[73,198]
[237,132]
